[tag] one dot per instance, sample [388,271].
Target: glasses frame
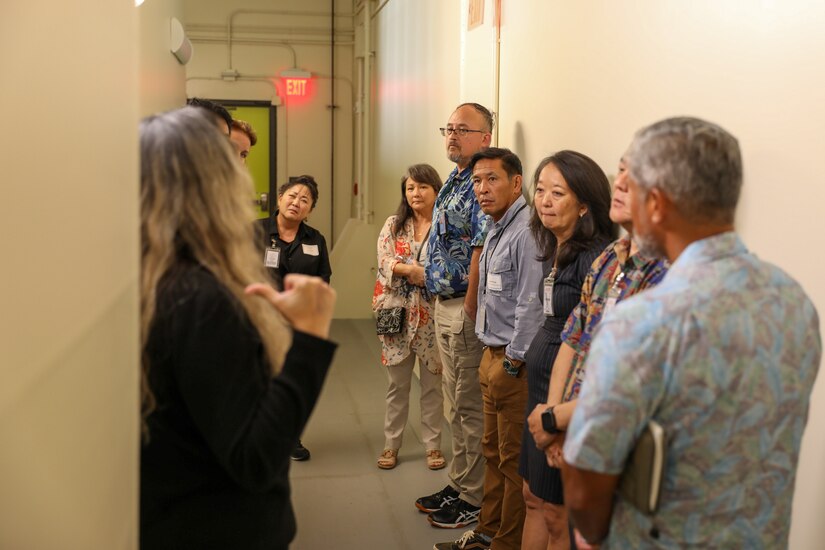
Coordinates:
[462,132]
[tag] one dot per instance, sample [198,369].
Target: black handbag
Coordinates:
[390,320]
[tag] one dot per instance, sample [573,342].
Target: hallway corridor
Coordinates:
[342,499]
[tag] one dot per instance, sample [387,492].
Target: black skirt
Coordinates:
[544,481]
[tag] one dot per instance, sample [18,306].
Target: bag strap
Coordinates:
[423,242]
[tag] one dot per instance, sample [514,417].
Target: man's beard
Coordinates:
[454,157]
[648,247]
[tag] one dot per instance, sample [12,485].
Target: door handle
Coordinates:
[263,202]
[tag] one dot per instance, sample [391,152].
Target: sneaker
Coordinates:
[458,514]
[437,501]
[470,540]
[299,453]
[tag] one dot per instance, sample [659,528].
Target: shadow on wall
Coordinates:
[520,148]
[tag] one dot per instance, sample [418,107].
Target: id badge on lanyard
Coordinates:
[442,223]
[272,256]
[549,282]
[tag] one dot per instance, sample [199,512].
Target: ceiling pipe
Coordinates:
[235,13]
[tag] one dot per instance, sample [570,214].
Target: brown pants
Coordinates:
[505,399]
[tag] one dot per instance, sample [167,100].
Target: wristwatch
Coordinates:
[509,367]
[548,421]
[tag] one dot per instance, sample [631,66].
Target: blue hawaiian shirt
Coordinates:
[723,354]
[458,226]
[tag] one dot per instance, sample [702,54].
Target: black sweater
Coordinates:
[214,473]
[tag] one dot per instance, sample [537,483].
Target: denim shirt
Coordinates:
[509,308]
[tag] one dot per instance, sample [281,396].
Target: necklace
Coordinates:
[419,229]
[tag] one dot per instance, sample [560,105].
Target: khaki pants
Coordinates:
[505,399]
[398,404]
[460,356]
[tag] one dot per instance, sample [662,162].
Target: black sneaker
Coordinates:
[458,514]
[470,540]
[299,453]
[437,501]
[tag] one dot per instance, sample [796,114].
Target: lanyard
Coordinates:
[498,239]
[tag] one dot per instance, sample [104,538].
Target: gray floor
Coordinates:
[342,499]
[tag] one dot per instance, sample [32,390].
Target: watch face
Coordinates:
[548,421]
[509,367]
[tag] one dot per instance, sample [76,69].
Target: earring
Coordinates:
[581,215]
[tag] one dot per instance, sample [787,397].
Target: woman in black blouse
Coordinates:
[292,246]
[227,384]
[300,248]
[571,225]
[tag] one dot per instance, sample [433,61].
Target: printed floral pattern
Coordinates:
[639,273]
[418,333]
[459,225]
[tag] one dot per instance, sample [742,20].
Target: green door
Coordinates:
[261,159]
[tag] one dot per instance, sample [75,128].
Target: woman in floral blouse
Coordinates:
[400,283]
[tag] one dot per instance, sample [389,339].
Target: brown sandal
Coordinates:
[388,459]
[435,460]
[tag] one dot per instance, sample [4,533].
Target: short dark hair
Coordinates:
[483,111]
[509,160]
[422,173]
[246,128]
[214,107]
[305,180]
[589,184]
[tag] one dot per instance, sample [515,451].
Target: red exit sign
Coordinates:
[296,87]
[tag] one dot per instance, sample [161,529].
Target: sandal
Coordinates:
[435,460]
[388,459]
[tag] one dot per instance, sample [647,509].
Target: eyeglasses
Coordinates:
[462,132]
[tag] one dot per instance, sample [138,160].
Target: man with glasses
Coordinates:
[451,273]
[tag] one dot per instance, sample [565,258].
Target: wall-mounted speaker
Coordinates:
[180,45]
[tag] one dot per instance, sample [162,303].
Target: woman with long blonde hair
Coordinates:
[231,369]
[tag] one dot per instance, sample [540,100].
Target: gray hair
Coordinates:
[696,163]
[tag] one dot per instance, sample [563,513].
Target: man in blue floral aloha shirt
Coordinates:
[451,272]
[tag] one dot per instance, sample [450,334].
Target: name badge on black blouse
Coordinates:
[310,249]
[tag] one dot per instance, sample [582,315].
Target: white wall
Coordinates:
[586,75]
[263,45]
[418,48]
[68,285]
[161,84]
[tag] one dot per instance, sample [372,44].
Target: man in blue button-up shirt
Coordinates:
[451,274]
[509,314]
